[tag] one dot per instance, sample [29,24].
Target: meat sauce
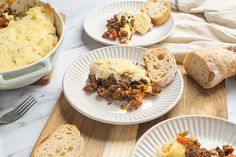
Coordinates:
[5,18]
[193,150]
[112,90]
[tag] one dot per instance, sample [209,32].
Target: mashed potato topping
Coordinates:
[28,39]
[142,22]
[103,68]
[173,149]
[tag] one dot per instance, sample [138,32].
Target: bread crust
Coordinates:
[161,19]
[220,64]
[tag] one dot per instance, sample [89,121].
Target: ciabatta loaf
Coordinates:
[210,66]
[158,10]
[64,141]
[161,65]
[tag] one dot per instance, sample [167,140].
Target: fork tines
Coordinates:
[25,105]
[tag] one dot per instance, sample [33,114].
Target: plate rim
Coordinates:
[174,119]
[119,44]
[115,122]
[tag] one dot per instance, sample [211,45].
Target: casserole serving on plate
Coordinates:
[30,43]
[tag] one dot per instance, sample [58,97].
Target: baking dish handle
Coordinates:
[42,71]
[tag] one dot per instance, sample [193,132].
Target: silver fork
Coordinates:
[19,111]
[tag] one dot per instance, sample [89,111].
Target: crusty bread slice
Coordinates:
[158,10]
[64,141]
[210,66]
[161,65]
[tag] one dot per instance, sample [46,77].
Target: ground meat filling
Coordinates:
[112,90]
[193,150]
[228,149]
[5,18]
[92,86]
[113,29]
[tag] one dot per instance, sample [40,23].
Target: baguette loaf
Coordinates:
[64,141]
[158,10]
[161,65]
[210,66]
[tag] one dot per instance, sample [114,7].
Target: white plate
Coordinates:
[211,132]
[96,20]
[96,108]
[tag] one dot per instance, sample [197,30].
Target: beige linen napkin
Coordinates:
[201,23]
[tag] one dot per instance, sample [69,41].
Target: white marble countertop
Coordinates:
[17,139]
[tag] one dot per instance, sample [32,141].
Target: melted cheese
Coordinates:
[103,68]
[27,40]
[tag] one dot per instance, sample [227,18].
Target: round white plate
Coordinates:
[211,132]
[96,108]
[96,20]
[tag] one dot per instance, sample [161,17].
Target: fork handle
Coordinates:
[3,122]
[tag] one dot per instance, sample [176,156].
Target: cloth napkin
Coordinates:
[199,24]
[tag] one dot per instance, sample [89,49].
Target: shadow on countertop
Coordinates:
[90,43]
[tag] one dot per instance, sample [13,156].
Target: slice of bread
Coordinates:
[64,141]
[158,10]
[209,66]
[161,65]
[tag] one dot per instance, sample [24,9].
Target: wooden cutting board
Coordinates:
[104,140]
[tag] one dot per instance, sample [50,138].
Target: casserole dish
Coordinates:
[29,74]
